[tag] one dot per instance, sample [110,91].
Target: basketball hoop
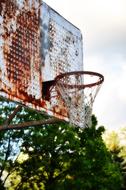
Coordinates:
[78,91]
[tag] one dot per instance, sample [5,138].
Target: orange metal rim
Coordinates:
[100,79]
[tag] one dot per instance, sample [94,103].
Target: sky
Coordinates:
[103,26]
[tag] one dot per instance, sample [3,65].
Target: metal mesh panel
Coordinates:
[63,51]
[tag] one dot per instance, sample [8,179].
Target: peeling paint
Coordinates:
[36,45]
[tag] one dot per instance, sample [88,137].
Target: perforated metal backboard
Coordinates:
[36,45]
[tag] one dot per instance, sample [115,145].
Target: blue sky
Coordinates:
[103,25]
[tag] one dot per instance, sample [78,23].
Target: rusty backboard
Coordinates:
[36,45]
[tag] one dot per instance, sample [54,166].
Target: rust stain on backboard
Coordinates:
[21,51]
[36,44]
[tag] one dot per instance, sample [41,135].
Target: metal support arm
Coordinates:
[29,124]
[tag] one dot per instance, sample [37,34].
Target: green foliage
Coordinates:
[116,144]
[59,157]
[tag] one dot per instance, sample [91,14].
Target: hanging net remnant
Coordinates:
[78,91]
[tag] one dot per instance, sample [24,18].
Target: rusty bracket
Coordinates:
[11,116]
[29,124]
[8,126]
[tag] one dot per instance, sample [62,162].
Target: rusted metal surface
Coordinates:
[12,115]
[36,44]
[30,124]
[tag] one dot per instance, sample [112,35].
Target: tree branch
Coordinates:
[11,171]
[6,157]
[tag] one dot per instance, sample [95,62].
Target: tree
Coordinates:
[116,144]
[59,156]
[8,152]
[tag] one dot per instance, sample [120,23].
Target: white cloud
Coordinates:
[110,104]
[121,83]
